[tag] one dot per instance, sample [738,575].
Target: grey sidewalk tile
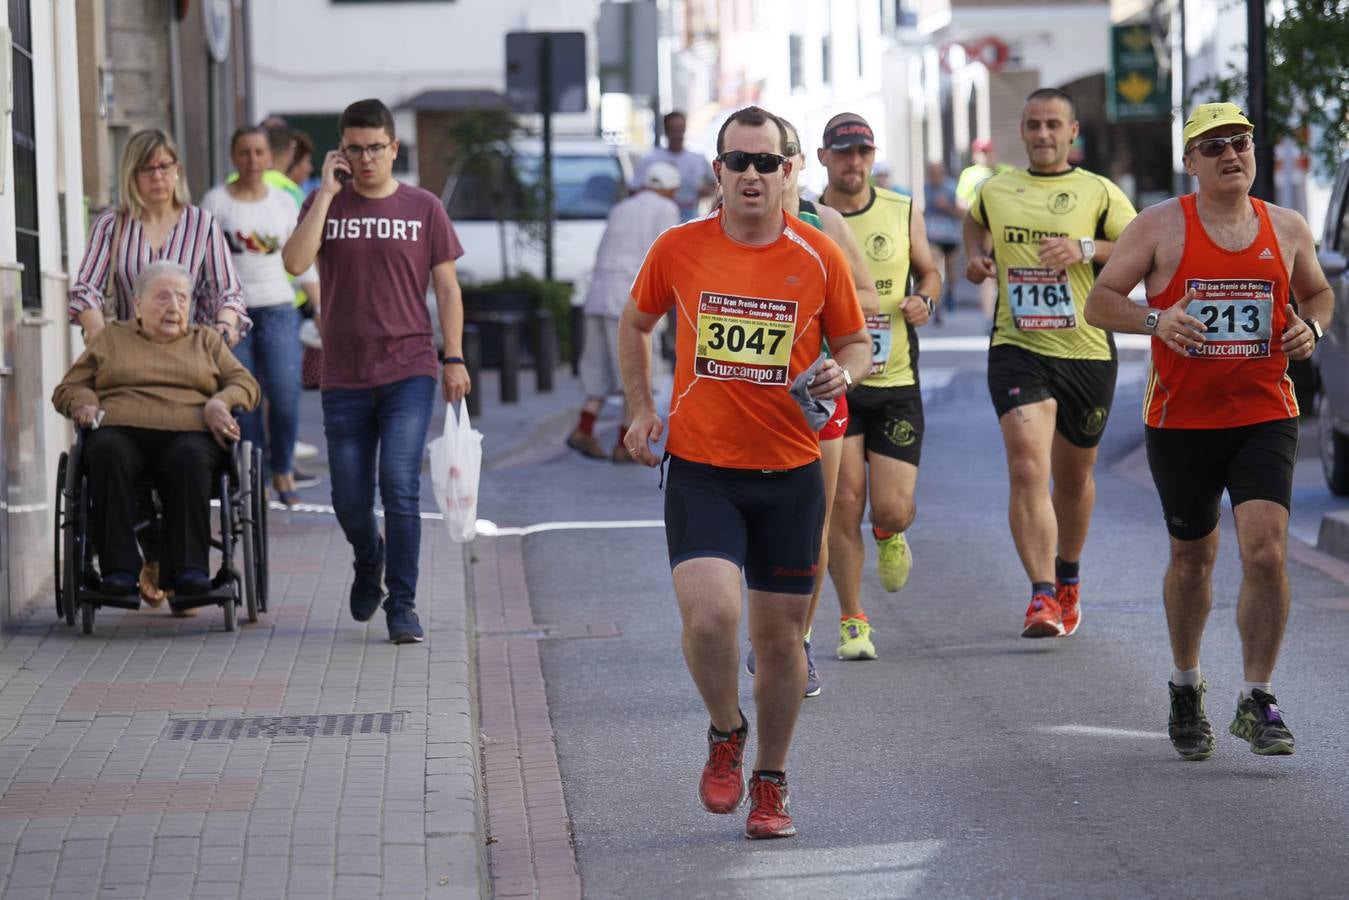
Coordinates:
[79,866]
[81,885]
[216,889]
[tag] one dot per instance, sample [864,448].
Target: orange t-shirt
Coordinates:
[751,318]
[1239,376]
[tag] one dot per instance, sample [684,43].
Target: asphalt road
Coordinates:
[966,761]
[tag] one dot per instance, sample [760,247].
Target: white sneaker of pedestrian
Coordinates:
[305,451]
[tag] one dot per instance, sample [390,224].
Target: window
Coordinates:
[25,155]
[794,61]
[584,187]
[827,59]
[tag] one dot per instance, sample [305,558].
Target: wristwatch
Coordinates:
[1317,333]
[1088,248]
[931,306]
[1151,321]
[451,360]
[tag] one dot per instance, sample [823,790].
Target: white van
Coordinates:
[589,177]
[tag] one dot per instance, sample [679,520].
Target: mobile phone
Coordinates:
[342,175]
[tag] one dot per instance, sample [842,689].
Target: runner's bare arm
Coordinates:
[851,352]
[923,267]
[634,361]
[978,243]
[1108,305]
[1065,252]
[841,234]
[1315,299]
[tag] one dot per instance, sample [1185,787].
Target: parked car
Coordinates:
[589,177]
[1332,355]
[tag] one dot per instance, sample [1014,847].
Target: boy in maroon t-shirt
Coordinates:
[377,242]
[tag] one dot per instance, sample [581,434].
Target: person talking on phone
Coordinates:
[377,242]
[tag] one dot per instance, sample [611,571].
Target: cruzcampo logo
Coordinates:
[879,247]
[1062,202]
[1093,422]
[901,433]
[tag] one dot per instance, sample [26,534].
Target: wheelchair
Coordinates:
[239,493]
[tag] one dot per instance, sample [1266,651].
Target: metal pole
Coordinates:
[1256,101]
[546,107]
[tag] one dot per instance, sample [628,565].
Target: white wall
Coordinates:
[318,56]
[1064,43]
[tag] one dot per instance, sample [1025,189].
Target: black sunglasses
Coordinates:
[739,161]
[1215,147]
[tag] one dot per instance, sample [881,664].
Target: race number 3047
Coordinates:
[1237,316]
[744,338]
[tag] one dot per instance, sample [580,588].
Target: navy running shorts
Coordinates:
[769,523]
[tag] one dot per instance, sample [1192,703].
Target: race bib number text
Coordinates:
[1237,315]
[744,338]
[879,326]
[1040,299]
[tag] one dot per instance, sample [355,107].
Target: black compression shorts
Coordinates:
[1193,466]
[1084,389]
[768,523]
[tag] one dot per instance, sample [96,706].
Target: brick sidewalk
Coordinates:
[351,774]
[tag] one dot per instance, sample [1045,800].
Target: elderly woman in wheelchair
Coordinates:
[155,396]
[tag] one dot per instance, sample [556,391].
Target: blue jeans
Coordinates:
[271,351]
[385,425]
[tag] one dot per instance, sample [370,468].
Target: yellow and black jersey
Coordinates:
[882,230]
[1040,308]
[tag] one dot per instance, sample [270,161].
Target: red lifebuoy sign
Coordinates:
[991,51]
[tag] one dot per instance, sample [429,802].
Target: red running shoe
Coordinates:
[722,788]
[1067,596]
[1043,618]
[768,816]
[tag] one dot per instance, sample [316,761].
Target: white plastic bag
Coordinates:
[456,460]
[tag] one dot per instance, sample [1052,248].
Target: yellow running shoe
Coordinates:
[854,640]
[893,562]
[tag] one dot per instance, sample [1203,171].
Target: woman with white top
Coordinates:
[257,219]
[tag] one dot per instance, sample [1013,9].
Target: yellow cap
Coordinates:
[1208,116]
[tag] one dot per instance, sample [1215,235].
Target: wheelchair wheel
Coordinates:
[76,533]
[87,617]
[263,578]
[58,534]
[230,607]
[248,506]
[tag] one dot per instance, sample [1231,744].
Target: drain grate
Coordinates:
[283,726]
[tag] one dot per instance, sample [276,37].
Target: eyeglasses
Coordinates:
[739,161]
[354,152]
[165,169]
[792,149]
[1215,147]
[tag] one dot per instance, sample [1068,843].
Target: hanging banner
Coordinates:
[1136,87]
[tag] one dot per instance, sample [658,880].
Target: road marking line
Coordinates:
[488,528]
[1097,731]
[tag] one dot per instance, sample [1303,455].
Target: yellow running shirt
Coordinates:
[882,230]
[1040,308]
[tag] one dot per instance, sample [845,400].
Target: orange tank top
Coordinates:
[1239,376]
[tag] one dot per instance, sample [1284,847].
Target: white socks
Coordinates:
[1185,677]
[1248,686]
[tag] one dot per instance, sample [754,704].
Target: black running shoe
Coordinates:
[1190,731]
[1260,722]
[367,587]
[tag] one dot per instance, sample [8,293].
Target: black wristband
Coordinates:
[447,360]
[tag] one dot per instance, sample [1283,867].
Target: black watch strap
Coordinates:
[448,360]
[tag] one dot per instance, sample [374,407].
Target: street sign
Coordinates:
[1136,87]
[627,37]
[566,51]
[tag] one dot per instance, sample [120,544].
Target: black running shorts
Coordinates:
[890,420]
[1084,389]
[1193,466]
[768,523]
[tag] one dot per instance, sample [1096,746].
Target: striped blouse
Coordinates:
[195,241]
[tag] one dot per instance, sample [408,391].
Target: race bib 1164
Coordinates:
[1237,315]
[1040,299]
[744,338]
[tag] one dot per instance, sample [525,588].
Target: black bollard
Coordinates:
[545,350]
[510,357]
[473,361]
[578,330]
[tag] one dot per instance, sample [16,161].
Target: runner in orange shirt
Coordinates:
[1221,268]
[756,291]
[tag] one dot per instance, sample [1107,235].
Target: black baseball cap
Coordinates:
[849,130]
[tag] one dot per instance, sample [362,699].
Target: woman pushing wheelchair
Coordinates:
[156,393]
